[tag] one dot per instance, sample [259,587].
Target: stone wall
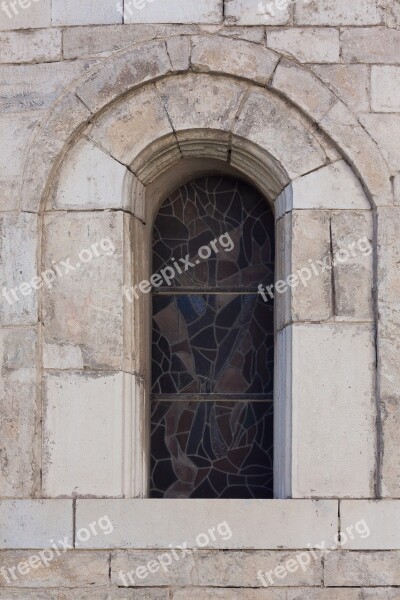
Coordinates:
[102,107]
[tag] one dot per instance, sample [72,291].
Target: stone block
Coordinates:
[86,12]
[83,433]
[91,179]
[349,82]
[383,520]
[179,50]
[108,593]
[306,44]
[385,88]
[362,569]
[366,45]
[390,411]
[83,275]
[385,130]
[173,11]
[341,12]
[29,14]
[343,594]
[254,12]
[352,247]
[126,130]
[239,58]
[34,523]
[20,414]
[18,234]
[38,45]
[229,594]
[153,523]
[333,411]
[60,568]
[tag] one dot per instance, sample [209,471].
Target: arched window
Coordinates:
[213,343]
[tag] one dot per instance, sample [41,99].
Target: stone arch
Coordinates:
[247,128]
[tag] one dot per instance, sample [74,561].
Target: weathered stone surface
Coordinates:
[123,72]
[349,82]
[179,50]
[19,424]
[129,127]
[216,569]
[85,12]
[384,593]
[42,45]
[18,235]
[151,524]
[377,45]
[333,402]
[352,246]
[229,594]
[385,88]
[306,44]
[110,593]
[253,12]
[71,569]
[279,129]
[385,130]
[361,152]
[34,523]
[303,88]
[362,569]
[238,58]
[383,520]
[92,179]
[25,15]
[84,306]
[173,11]
[83,417]
[390,413]
[341,12]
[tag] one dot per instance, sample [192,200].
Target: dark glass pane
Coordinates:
[211,449]
[212,344]
[202,211]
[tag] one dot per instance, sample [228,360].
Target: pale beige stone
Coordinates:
[229,594]
[108,593]
[179,49]
[385,88]
[34,523]
[377,45]
[362,569]
[340,12]
[390,414]
[337,593]
[18,234]
[130,126]
[84,306]
[86,12]
[256,12]
[385,130]
[38,45]
[62,356]
[238,57]
[25,15]
[71,569]
[20,414]
[281,130]
[383,520]
[303,88]
[349,82]
[173,11]
[306,44]
[352,247]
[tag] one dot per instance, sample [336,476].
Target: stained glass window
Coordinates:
[213,343]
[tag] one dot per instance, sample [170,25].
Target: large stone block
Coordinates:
[385,130]
[153,523]
[86,12]
[377,45]
[111,593]
[349,82]
[30,46]
[60,568]
[18,235]
[341,12]
[383,520]
[34,523]
[173,11]
[84,433]
[333,410]
[315,45]
[83,276]
[390,409]
[229,594]
[20,414]
[385,88]
[253,12]
[337,593]
[25,15]
[359,569]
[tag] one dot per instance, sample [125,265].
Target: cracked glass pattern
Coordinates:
[213,344]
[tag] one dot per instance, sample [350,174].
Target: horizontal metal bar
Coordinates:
[202,291]
[210,398]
